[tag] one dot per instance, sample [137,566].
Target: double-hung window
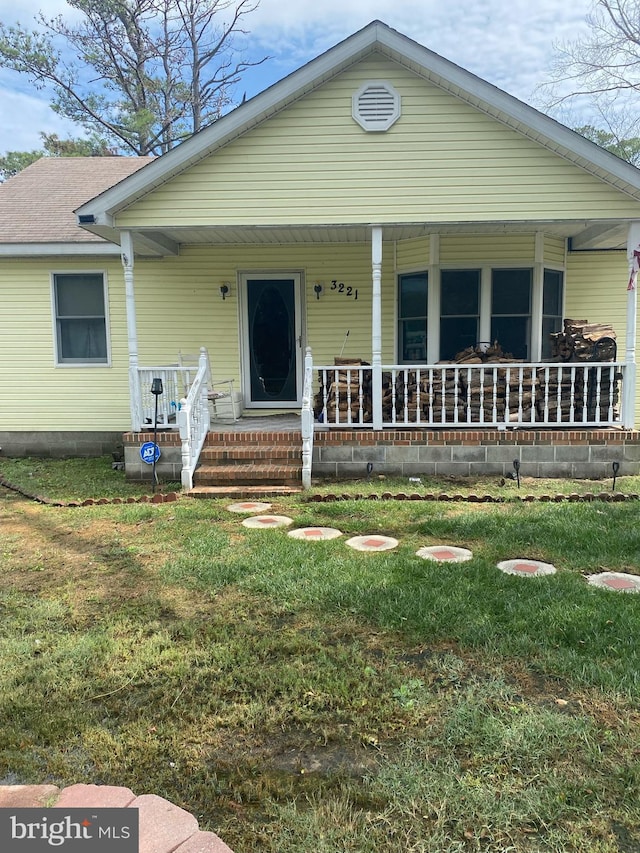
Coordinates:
[80,318]
[511,310]
[412,318]
[459,311]
[551,308]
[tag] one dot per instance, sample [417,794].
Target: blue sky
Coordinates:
[510,43]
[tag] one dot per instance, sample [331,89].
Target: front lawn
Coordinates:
[300,695]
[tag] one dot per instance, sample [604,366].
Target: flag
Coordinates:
[635,267]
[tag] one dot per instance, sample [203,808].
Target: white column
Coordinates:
[629,386]
[135,401]
[376,325]
[537,299]
[433,300]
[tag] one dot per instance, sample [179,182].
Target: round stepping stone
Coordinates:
[526,568]
[249,506]
[263,522]
[373,542]
[444,553]
[618,581]
[314,534]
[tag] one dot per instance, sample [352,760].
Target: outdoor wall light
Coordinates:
[224,290]
[318,289]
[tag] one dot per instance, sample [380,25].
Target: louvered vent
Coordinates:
[376,105]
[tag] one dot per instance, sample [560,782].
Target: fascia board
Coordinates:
[51,249]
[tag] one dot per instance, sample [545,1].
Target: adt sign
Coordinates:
[149,452]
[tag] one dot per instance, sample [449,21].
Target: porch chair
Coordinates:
[217,390]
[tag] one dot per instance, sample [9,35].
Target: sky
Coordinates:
[510,43]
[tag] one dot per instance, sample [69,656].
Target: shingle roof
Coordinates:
[37,204]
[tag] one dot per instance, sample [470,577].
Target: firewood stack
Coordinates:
[343,393]
[583,341]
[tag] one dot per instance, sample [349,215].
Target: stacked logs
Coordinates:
[583,341]
[341,394]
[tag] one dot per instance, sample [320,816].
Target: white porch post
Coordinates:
[135,402]
[629,386]
[376,325]
[537,299]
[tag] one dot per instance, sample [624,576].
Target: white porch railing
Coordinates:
[194,419]
[182,405]
[488,395]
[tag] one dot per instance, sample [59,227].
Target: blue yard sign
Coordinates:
[149,452]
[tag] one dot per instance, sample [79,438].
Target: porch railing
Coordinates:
[194,419]
[488,395]
[182,405]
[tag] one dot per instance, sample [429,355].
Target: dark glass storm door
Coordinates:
[272,340]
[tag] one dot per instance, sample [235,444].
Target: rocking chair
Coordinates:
[217,390]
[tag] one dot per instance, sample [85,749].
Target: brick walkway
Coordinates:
[164,827]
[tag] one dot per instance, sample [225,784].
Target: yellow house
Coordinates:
[380,206]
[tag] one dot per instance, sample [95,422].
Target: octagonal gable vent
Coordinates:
[376,105]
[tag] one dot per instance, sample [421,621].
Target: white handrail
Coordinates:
[193,421]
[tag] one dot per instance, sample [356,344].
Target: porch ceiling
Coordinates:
[584,234]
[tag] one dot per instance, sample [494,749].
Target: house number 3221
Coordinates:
[345,289]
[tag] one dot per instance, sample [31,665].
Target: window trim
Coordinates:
[54,316]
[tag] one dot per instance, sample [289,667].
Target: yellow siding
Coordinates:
[412,255]
[554,251]
[442,161]
[179,307]
[475,249]
[38,395]
[596,290]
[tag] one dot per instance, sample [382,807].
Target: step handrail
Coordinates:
[306,420]
[194,419]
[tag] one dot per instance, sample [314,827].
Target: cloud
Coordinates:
[510,43]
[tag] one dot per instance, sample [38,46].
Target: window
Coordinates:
[459,311]
[81,328]
[551,308]
[511,310]
[412,318]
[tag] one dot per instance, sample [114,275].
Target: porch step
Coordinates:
[243,492]
[243,460]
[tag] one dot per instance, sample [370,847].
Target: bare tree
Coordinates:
[602,71]
[142,74]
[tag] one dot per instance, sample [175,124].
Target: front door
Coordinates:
[272,340]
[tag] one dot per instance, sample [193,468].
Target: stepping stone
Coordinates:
[526,568]
[372,542]
[444,554]
[249,506]
[315,534]
[263,522]
[617,581]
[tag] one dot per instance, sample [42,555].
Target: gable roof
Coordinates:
[37,204]
[375,37]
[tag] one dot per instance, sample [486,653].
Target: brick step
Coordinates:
[232,453]
[220,475]
[241,492]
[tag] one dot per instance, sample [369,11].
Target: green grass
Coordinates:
[295,695]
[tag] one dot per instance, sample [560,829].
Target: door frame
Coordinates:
[297,276]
